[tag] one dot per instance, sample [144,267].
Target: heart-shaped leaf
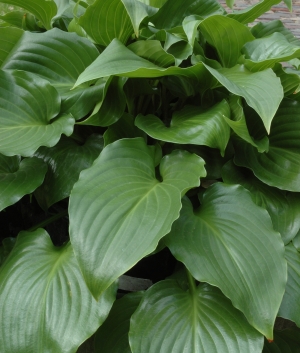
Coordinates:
[112,224]
[65,162]
[170,319]
[45,304]
[112,336]
[191,125]
[28,107]
[279,166]
[18,178]
[290,306]
[230,243]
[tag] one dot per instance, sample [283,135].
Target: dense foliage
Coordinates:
[150,125]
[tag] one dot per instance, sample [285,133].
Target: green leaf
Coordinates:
[8,39]
[284,209]
[21,20]
[191,125]
[263,53]
[172,320]
[261,90]
[119,210]
[105,20]
[279,166]
[112,336]
[296,241]
[190,26]
[285,341]
[265,29]
[44,10]
[171,14]
[45,304]
[238,124]
[230,243]
[19,178]
[218,30]
[230,3]
[289,4]
[290,79]
[28,107]
[138,11]
[290,306]
[65,162]
[62,57]
[6,248]
[251,13]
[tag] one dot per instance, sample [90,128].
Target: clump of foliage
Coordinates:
[150,125]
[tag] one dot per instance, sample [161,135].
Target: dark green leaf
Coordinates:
[119,210]
[296,241]
[45,304]
[6,248]
[286,341]
[172,320]
[230,243]
[11,36]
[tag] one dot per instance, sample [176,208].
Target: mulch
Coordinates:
[278,12]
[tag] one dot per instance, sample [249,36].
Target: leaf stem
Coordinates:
[192,284]
[48,221]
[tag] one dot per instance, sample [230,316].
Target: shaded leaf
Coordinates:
[172,320]
[45,304]
[230,243]
[27,110]
[65,162]
[290,79]
[279,166]
[191,125]
[6,248]
[112,336]
[286,341]
[19,178]
[21,20]
[119,210]
[296,241]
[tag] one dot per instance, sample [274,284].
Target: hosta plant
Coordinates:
[156,131]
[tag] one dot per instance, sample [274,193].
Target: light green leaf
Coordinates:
[45,304]
[112,336]
[119,210]
[191,125]
[118,60]
[285,341]
[263,53]
[190,25]
[138,11]
[65,162]
[279,166]
[218,31]
[284,209]
[261,90]
[28,107]
[172,320]
[44,10]
[21,20]
[171,14]
[290,306]
[19,178]
[290,79]
[230,243]
[251,13]
[265,29]
[289,4]
[230,3]
[8,39]
[105,20]
[62,57]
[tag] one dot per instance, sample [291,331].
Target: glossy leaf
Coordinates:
[8,39]
[27,110]
[265,29]
[283,209]
[261,90]
[285,341]
[138,11]
[218,30]
[172,320]
[112,224]
[112,336]
[19,178]
[251,13]
[263,53]
[171,14]
[44,10]
[279,166]
[105,20]
[290,306]
[45,304]
[191,125]
[65,162]
[230,243]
